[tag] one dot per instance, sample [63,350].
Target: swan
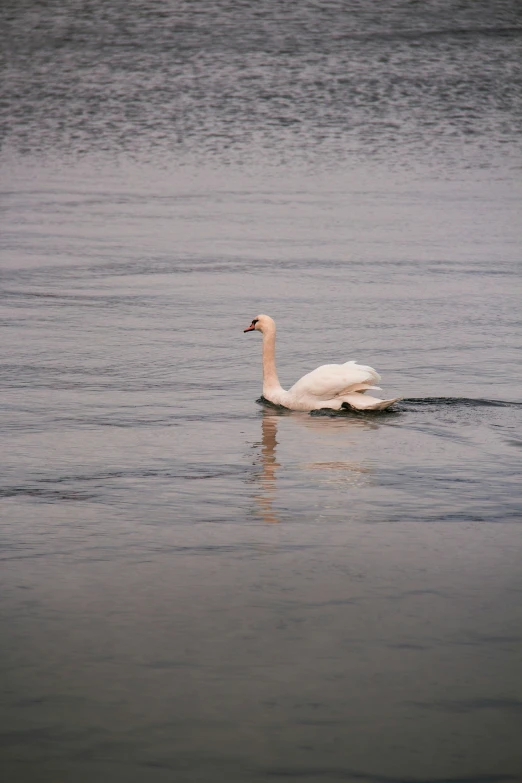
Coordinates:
[333,386]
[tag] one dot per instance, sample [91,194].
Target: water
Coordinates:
[197,586]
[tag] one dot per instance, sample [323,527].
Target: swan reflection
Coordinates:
[267,479]
[341,473]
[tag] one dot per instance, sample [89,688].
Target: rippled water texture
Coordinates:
[339,81]
[197,586]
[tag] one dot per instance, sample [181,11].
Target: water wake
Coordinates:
[408,404]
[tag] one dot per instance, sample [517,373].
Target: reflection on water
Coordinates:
[264,499]
[333,472]
[325,425]
[339,472]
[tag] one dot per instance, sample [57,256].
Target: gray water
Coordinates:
[197,586]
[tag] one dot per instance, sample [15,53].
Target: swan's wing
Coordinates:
[334,380]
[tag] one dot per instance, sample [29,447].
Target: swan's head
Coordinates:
[261,323]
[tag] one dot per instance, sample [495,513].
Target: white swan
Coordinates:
[330,386]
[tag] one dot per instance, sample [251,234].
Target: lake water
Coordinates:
[196,586]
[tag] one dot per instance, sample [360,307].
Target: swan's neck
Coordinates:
[270,379]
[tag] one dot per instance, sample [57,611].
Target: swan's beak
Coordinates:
[251,328]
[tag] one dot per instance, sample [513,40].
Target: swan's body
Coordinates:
[330,386]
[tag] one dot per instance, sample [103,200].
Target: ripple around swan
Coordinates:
[468,402]
[408,404]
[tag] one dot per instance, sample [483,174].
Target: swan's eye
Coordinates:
[254,322]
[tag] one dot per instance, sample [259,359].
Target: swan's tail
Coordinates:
[365,402]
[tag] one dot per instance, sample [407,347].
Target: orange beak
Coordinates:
[251,328]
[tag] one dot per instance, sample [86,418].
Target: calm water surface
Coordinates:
[197,586]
